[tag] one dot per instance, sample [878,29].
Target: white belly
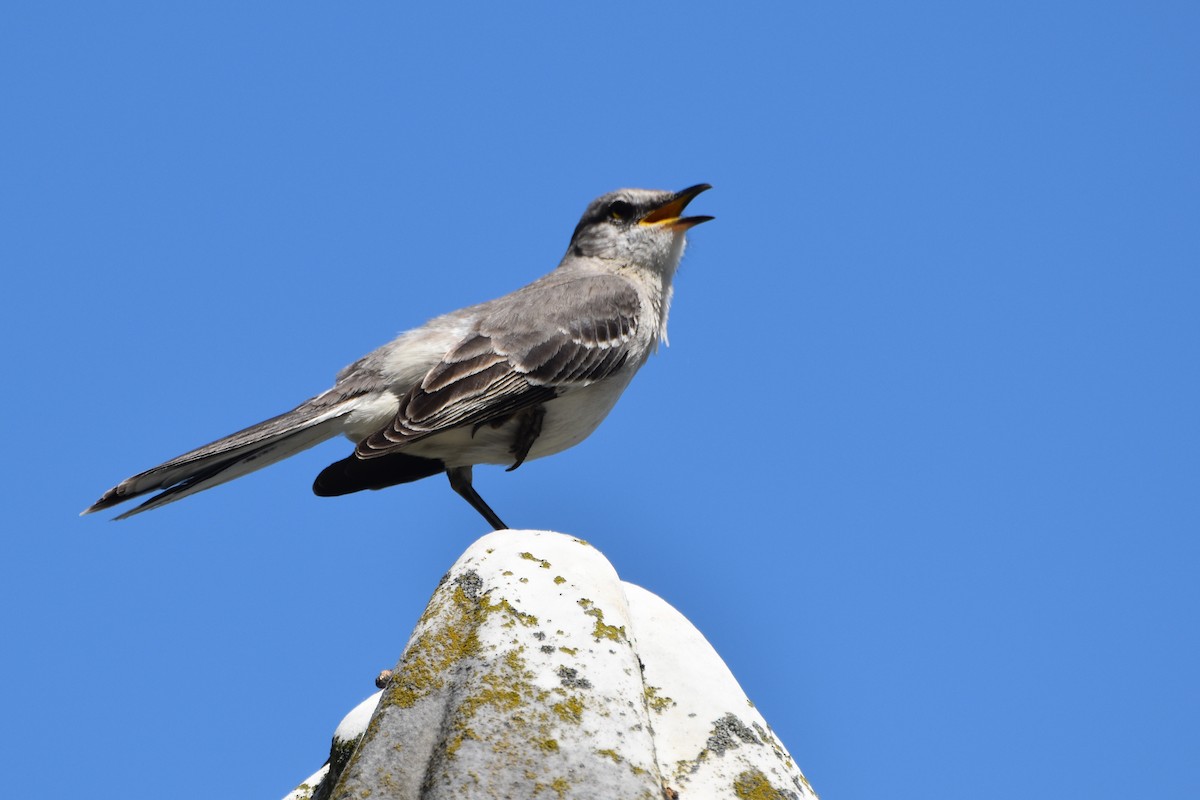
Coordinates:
[569,419]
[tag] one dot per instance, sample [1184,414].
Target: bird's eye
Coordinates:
[620,211]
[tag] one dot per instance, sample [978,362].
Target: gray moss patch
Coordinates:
[728,731]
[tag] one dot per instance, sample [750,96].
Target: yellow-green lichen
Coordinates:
[559,579]
[460,735]
[438,647]
[448,636]
[528,620]
[541,562]
[569,650]
[616,758]
[601,630]
[605,631]
[655,702]
[559,786]
[502,692]
[753,785]
[569,710]
[496,695]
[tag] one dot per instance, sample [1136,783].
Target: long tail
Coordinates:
[232,457]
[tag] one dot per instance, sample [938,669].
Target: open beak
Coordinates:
[668,213]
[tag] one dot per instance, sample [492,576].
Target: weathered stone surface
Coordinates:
[320,784]
[710,740]
[535,672]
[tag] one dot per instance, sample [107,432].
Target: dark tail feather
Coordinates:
[223,460]
[353,474]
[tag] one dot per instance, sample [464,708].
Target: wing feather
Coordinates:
[525,349]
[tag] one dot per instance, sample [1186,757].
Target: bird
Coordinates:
[524,376]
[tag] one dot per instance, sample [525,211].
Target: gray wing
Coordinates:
[526,349]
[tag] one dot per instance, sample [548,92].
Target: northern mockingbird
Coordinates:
[523,376]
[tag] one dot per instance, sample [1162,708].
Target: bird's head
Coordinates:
[637,227]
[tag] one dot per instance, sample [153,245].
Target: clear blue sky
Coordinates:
[921,460]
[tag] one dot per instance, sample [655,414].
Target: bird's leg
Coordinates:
[460,481]
[529,428]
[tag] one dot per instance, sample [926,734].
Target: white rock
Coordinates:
[523,679]
[710,740]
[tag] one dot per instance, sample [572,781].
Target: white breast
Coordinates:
[569,419]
